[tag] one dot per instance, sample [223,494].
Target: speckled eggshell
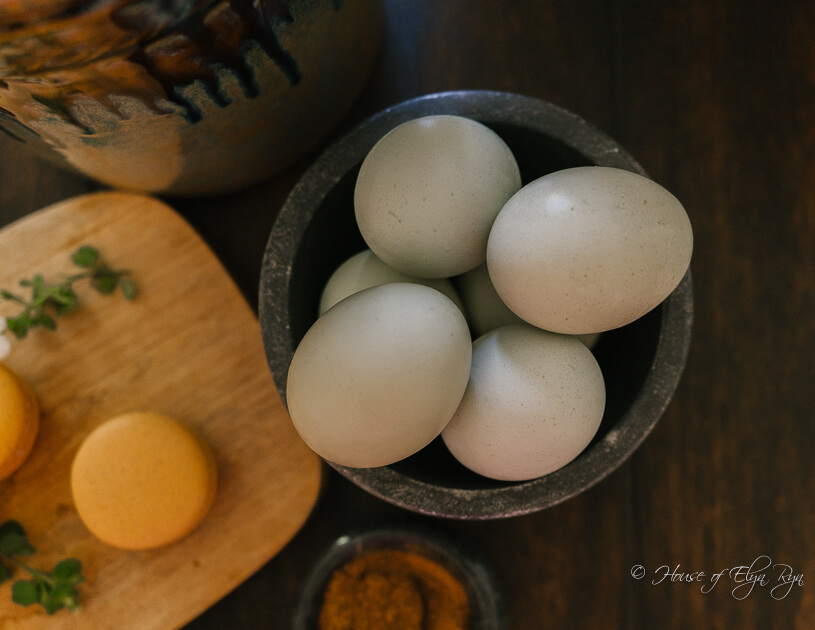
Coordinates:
[379,375]
[428,192]
[364,270]
[484,309]
[588,249]
[534,401]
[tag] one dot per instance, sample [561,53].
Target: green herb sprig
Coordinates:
[60,298]
[53,590]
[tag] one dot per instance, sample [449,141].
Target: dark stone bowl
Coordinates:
[316,231]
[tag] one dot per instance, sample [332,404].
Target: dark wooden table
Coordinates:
[717,102]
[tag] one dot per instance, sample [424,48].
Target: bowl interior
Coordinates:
[625,355]
[486,606]
[317,231]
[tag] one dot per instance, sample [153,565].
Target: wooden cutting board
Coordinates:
[187,346]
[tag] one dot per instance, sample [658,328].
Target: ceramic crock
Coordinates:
[181,96]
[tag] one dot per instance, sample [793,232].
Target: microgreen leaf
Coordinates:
[8,295]
[16,545]
[44,320]
[25,592]
[69,571]
[19,325]
[64,594]
[128,288]
[86,256]
[54,590]
[38,285]
[13,541]
[47,600]
[61,298]
[105,282]
[65,300]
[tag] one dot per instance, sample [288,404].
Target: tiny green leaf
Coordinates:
[128,288]
[86,256]
[13,541]
[19,325]
[68,571]
[105,283]
[64,594]
[25,592]
[54,590]
[59,299]
[38,288]
[16,545]
[44,320]
[47,600]
[8,295]
[63,295]
[65,300]
[11,527]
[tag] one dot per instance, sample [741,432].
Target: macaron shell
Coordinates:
[143,480]
[19,421]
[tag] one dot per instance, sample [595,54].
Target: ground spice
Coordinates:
[392,589]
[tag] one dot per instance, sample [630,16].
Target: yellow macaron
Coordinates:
[143,480]
[19,421]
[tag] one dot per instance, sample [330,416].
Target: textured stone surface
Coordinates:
[315,232]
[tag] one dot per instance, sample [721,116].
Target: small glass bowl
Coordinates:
[486,605]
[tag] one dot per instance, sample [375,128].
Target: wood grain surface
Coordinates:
[187,346]
[717,101]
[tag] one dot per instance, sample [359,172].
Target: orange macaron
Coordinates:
[19,421]
[143,480]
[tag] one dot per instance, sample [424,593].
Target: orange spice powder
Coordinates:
[394,590]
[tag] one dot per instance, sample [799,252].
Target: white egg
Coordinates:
[379,375]
[428,192]
[484,309]
[365,270]
[588,249]
[534,401]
